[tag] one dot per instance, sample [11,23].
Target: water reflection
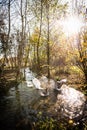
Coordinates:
[7,112]
[29,102]
[21,105]
[71,102]
[21,115]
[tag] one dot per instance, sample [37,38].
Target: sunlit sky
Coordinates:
[71,24]
[17,5]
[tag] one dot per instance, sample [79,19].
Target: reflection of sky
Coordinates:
[71,101]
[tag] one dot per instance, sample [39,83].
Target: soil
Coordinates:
[7,80]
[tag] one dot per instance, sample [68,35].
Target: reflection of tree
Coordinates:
[19,108]
[22,121]
[17,94]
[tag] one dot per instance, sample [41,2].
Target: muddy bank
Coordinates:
[7,80]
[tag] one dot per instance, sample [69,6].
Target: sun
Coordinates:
[72,25]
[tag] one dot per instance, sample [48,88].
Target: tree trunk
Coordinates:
[21,43]
[38,44]
[9,25]
[48,46]
[22,32]
[85,74]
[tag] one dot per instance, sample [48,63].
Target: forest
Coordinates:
[49,37]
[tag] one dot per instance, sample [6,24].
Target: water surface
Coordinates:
[22,103]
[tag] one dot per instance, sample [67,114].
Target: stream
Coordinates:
[23,103]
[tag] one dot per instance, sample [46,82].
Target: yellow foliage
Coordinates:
[81,59]
[85,44]
[70,121]
[75,69]
[34,37]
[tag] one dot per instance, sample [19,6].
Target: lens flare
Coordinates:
[72,25]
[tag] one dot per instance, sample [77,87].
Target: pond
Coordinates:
[24,103]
